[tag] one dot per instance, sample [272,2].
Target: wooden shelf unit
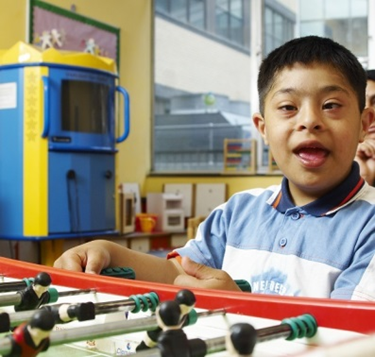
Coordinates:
[239,156]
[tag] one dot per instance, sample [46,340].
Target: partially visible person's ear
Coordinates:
[367,118]
[260,124]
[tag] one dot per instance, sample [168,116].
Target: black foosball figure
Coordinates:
[241,340]
[186,300]
[36,294]
[172,341]
[30,338]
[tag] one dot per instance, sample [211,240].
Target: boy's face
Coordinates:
[313,125]
[370,102]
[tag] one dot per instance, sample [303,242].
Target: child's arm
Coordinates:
[92,257]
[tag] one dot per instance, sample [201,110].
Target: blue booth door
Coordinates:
[81,193]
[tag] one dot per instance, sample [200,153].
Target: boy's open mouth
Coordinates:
[311,156]
[311,152]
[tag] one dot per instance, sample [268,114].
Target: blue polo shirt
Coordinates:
[323,249]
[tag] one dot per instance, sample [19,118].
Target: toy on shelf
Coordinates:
[240,156]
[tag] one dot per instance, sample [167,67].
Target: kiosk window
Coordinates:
[85,107]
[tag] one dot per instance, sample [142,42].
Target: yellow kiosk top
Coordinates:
[24,53]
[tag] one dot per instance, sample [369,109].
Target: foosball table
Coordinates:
[95,315]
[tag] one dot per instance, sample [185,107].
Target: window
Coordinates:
[84,107]
[202,79]
[190,12]
[229,22]
[278,28]
[196,14]
[345,21]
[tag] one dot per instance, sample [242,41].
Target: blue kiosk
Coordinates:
[57,144]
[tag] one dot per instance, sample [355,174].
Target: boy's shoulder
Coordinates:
[361,204]
[367,194]
[267,191]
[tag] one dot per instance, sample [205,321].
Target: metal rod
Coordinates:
[217,344]
[113,306]
[76,292]
[16,298]
[273,332]
[17,318]
[102,330]
[101,308]
[112,329]
[10,299]
[12,286]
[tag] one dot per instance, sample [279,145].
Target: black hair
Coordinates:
[307,50]
[371,74]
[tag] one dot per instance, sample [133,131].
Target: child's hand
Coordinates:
[365,157]
[366,149]
[201,276]
[90,257]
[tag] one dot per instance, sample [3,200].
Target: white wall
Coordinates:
[194,63]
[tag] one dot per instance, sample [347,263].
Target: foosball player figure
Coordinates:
[241,340]
[32,337]
[172,341]
[36,294]
[186,300]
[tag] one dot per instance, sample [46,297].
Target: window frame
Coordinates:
[209,28]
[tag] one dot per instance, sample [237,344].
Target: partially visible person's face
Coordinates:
[313,125]
[370,94]
[370,103]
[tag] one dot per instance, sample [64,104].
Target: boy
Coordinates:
[366,151]
[314,235]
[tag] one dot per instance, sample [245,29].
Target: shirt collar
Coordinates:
[329,203]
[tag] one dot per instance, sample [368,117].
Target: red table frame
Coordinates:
[339,314]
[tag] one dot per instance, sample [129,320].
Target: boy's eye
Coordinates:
[287,107]
[331,105]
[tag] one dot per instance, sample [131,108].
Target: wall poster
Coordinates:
[52,26]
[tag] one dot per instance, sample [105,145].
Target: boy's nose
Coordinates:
[309,119]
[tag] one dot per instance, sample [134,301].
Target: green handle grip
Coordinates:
[243,285]
[125,273]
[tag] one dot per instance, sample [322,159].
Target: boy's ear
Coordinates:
[368,117]
[260,124]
